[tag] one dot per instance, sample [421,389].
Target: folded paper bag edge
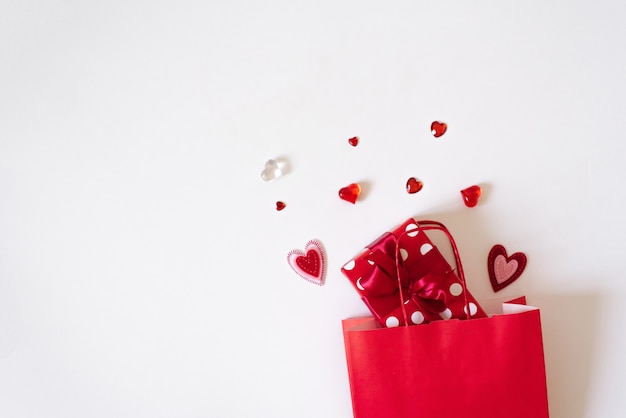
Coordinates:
[369,323]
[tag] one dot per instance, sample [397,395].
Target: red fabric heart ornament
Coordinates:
[503,269]
[310,263]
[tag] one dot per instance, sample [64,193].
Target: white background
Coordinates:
[143,264]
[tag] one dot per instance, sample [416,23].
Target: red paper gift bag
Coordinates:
[479,368]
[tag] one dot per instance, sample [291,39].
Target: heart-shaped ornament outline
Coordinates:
[503,269]
[309,264]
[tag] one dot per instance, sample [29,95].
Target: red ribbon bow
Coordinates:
[416,280]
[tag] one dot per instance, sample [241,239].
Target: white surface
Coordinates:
[142,263]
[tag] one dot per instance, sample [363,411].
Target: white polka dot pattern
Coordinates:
[409,227]
[417,317]
[472,309]
[425,248]
[391,322]
[404,254]
[349,265]
[456,289]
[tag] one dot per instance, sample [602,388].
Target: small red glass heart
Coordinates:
[280,205]
[354,141]
[413,185]
[350,193]
[471,195]
[438,128]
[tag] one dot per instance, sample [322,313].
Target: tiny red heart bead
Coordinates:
[280,205]
[350,193]
[438,128]
[471,195]
[354,141]
[413,185]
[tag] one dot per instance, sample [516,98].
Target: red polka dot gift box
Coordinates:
[405,280]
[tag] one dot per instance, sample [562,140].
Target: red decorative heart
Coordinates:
[350,193]
[310,263]
[354,141]
[471,195]
[413,185]
[280,205]
[438,128]
[503,269]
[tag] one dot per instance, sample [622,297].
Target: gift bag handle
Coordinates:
[428,225]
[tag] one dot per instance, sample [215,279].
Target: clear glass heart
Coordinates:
[273,170]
